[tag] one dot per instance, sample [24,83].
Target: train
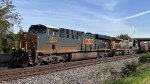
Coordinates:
[44,44]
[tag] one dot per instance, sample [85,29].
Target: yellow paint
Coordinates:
[113,44]
[39,51]
[68,50]
[60,51]
[50,26]
[88,41]
[53,39]
[119,49]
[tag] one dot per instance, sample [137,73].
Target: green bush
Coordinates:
[142,77]
[145,58]
[130,68]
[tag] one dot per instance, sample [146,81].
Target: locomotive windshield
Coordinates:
[37,29]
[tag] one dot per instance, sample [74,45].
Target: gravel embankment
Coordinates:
[94,74]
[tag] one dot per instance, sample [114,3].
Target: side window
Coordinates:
[62,33]
[77,35]
[49,32]
[53,32]
[67,32]
[72,34]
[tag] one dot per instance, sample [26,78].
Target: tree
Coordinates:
[12,41]
[8,18]
[124,36]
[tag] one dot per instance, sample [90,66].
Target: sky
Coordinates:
[106,17]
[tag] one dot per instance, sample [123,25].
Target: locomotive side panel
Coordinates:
[68,41]
[103,42]
[88,41]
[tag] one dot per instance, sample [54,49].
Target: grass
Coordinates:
[141,77]
[134,73]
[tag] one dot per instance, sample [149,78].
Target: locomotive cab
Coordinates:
[29,42]
[46,38]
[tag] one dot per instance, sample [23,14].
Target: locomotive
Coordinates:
[44,44]
[145,46]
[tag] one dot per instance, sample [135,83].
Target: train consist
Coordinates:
[44,44]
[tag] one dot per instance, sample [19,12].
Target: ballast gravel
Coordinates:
[94,74]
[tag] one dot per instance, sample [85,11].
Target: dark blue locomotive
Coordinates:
[48,44]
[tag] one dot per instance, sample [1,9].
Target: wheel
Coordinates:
[25,64]
[39,62]
[98,55]
[67,57]
[102,54]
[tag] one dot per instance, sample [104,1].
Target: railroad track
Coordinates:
[18,73]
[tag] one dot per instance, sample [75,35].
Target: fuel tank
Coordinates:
[82,56]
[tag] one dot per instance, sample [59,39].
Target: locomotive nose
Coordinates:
[28,41]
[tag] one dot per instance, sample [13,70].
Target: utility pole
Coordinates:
[134,32]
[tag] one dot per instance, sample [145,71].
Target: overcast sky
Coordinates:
[108,17]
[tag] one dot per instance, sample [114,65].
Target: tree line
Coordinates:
[8,19]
